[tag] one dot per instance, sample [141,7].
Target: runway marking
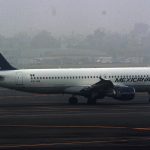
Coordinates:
[52,144]
[110,141]
[142,129]
[63,143]
[146,129]
[15,96]
[64,126]
[20,96]
[66,108]
[68,114]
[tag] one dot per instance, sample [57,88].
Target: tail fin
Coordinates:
[4,64]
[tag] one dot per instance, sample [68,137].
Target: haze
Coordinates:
[63,17]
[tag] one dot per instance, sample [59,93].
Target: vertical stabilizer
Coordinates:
[4,64]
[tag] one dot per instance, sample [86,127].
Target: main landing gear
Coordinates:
[73,100]
[91,99]
[149,97]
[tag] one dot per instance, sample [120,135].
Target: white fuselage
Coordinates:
[64,80]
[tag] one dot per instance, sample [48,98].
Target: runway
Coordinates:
[32,121]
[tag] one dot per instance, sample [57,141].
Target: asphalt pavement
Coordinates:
[33,121]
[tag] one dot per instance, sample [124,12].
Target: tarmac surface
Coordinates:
[33,121]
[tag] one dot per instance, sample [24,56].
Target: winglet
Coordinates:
[4,64]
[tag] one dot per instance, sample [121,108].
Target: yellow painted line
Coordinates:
[77,126]
[65,143]
[15,96]
[142,129]
[64,126]
[19,96]
[61,143]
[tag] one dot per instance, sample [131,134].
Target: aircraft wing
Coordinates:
[100,86]
[104,88]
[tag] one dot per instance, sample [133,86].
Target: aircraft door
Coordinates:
[19,78]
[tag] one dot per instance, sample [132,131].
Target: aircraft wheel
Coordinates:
[73,100]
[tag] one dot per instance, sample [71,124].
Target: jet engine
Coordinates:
[123,93]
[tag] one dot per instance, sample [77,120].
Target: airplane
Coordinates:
[91,83]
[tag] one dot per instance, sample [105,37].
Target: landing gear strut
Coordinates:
[73,100]
[149,97]
[92,99]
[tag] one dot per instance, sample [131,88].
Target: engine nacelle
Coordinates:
[123,93]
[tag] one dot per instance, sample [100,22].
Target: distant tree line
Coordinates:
[135,42]
[42,39]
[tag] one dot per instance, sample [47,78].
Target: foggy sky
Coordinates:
[62,17]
